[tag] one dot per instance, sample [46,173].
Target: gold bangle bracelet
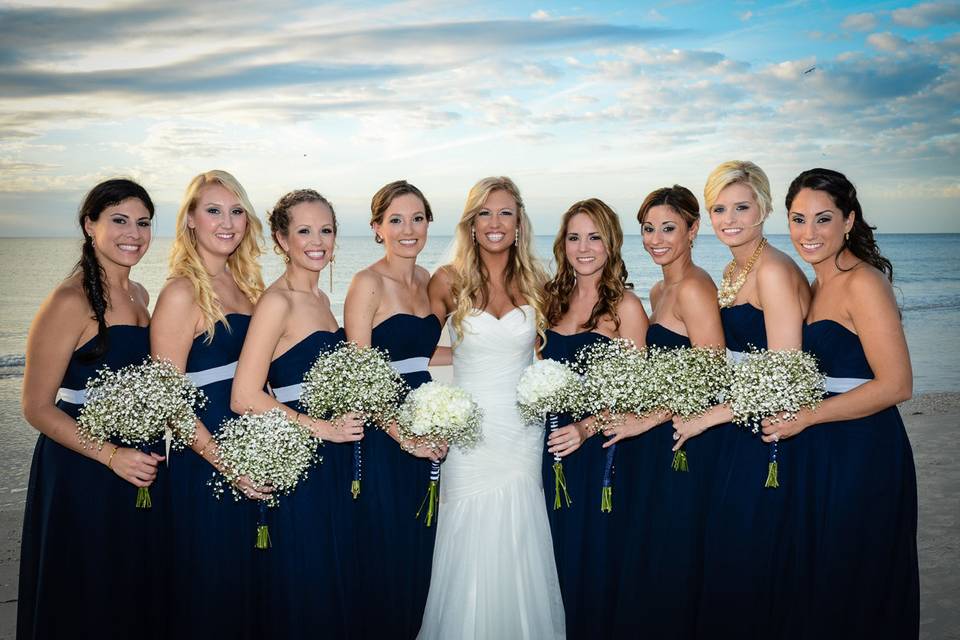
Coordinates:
[110,459]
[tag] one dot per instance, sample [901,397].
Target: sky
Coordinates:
[599,99]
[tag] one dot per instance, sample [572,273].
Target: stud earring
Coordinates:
[378,238]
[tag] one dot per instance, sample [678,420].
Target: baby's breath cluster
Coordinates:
[768,383]
[617,378]
[269,448]
[353,378]
[547,386]
[438,412]
[136,404]
[691,379]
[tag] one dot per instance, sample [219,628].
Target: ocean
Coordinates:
[926,272]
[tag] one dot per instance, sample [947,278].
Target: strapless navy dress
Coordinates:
[580,531]
[395,548]
[92,565]
[309,569]
[664,570]
[216,581]
[858,518]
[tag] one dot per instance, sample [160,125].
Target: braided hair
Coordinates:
[860,240]
[106,194]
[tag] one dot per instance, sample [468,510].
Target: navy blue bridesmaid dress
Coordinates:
[580,531]
[859,517]
[215,583]
[309,569]
[395,548]
[92,565]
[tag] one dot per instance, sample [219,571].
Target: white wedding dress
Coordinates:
[494,576]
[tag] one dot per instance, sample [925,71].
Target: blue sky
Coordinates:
[600,99]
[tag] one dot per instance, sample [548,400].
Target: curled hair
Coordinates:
[470,275]
[742,172]
[678,198]
[104,195]
[279,217]
[385,196]
[859,240]
[185,261]
[613,278]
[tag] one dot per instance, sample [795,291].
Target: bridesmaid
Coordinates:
[763,297]
[588,300]
[85,546]
[861,510]
[310,566]
[199,324]
[387,307]
[664,569]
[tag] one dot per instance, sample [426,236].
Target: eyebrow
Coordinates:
[800,213]
[218,204]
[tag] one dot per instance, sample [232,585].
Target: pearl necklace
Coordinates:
[729,288]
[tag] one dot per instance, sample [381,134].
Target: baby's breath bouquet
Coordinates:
[438,413]
[138,405]
[268,448]
[773,383]
[349,379]
[692,379]
[546,389]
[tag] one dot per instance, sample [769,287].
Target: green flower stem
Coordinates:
[772,481]
[263,537]
[143,498]
[680,461]
[560,485]
[606,499]
[430,500]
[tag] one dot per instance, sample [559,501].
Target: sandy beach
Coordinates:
[931,421]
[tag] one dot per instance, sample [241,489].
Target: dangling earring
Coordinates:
[516,238]
[332,260]
[473,232]
[378,239]
[691,243]
[846,238]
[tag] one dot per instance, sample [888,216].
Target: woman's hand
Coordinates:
[628,425]
[568,439]
[346,428]
[776,428]
[422,449]
[247,487]
[134,466]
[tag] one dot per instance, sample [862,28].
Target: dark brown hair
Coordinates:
[678,198]
[383,198]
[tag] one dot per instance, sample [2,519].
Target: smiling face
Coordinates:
[736,216]
[404,226]
[122,232]
[583,246]
[496,223]
[310,236]
[218,220]
[817,227]
[666,235]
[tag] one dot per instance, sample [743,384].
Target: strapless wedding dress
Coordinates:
[494,574]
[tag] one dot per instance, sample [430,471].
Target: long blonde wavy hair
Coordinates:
[185,261]
[470,276]
[613,278]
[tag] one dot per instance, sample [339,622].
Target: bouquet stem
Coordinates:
[357,470]
[606,492]
[772,469]
[680,461]
[143,498]
[430,500]
[559,481]
[263,532]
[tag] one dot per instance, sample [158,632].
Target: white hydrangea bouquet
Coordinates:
[546,389]
[438,413]
[349,379]
[774,384]
[268,448]
[692,379]
[138,405]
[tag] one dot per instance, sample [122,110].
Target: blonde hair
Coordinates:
[185,261]
[470,276]
[739,171]
[613,279]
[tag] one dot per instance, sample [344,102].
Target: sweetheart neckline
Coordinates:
[480,312]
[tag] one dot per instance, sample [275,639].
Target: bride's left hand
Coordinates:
[566,440]
[436,452]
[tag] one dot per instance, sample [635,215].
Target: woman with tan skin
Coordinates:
[763,298]
[387,307]
[199,324]
[494,575]
[85,546]
[588,301]
[855,527]
[310,571]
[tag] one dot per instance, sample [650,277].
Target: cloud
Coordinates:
[859,22]
[887,41]
[746,15]
[927,14]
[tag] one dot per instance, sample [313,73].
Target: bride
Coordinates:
[494,574]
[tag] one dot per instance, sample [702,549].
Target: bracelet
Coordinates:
[110,459]
[297,418]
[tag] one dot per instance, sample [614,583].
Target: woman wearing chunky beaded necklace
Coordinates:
[764,297]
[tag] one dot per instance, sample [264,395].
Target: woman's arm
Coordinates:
[783,312]
[360,307]
[697,309]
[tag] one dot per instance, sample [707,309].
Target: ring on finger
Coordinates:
[776,437]
[676,435]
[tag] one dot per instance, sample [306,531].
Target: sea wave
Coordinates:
[11,365]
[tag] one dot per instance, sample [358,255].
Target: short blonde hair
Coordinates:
[744,172]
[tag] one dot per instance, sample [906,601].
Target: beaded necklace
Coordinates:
[729,287]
